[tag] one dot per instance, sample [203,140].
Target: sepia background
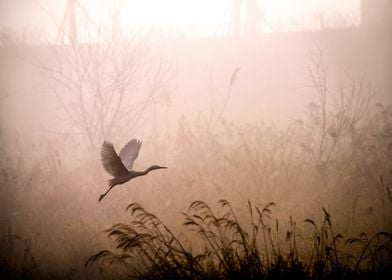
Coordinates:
[262,101]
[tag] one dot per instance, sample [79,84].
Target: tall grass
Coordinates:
[218,246]
[43,192]
[16,258]
[336,155]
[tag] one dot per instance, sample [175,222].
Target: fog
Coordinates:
[252,108]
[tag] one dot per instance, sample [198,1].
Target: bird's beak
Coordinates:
[162,167]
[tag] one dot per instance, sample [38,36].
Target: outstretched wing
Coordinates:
[111,161]
[129,153]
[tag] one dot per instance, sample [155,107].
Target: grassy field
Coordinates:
[311,200]
[146,248]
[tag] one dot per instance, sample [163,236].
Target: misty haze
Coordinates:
[184,139]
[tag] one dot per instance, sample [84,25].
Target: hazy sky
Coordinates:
[204,16]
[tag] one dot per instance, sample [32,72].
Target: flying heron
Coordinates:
[120,166]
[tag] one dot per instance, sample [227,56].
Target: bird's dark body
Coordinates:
[125,178]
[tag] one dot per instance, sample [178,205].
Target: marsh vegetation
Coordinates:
[242,198]
[327,176]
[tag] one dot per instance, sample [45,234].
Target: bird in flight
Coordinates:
[120,166]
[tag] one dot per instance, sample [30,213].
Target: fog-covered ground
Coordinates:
[303,120]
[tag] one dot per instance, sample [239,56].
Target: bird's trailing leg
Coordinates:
[103,195]
[111,185]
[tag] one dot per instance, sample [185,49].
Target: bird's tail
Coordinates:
[112,183]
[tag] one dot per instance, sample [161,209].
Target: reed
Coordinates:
[228,249]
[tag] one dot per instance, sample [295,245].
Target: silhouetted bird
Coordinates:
[120,166]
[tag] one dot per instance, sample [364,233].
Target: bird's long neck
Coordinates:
[141,173]
[135,173]
[148,170]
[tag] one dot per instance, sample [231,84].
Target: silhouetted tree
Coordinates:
[104,78]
